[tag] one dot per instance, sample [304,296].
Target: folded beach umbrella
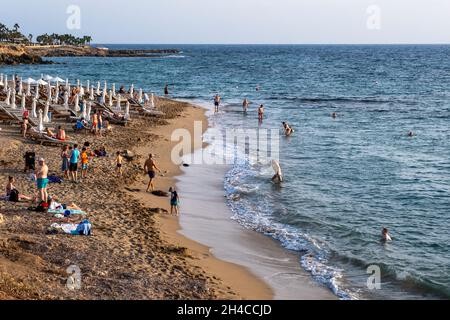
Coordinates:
[41,121]
[113,90]
[91,93]
[152,101]
[5,88]
[23,103]
[36,95]
[8,97]
[46,109]
[13,99]
[57,93]
[33,108]
[104,96]
[88,112]
[77,103]
[20,86]
[29,82]
[140,96]
[88,84]
[132,90]
[1,79]
[78,83]
[110,98]
[105,87]
[118,108]
[66,100]
[83,114]
[127,111]
[49,98]
[98,88]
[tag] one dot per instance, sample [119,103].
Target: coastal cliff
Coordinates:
[12,55]
[21,54]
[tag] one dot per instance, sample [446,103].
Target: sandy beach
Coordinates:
[135,251]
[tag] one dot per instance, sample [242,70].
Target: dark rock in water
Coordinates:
[21,59]
[160,193]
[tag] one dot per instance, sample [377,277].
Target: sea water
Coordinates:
[345,178]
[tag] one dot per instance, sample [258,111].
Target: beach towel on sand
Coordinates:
[66,212]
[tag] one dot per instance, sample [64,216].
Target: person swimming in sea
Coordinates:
[287,129]
[334,115]
[385,235]
[411,134]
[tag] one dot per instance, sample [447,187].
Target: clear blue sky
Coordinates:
[237,21]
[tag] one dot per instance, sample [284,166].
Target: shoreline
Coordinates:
[238,282]
[129,255]
[254,265]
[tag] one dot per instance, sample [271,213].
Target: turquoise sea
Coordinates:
[345,178]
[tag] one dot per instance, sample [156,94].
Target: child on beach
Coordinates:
[84,163]
[65,161]
[174,202]
[12,194]
[119,162]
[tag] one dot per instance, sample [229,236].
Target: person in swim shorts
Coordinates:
[42,179]
[119,163]
[150,168]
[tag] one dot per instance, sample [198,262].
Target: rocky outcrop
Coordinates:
[12,55]
[18,54]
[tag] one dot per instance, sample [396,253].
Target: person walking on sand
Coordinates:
[84,163]
[119,164]
[150,168]
[245,105]
[42,179]
[65,161]
[261,113]
[73,166]
[217,99]
[174,202]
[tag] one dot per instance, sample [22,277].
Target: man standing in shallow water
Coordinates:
[150,168]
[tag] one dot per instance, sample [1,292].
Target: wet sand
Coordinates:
[207,219]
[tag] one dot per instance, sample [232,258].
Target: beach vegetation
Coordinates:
[14,35]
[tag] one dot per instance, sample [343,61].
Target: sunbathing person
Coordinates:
[12,194]
[61,135]
[50,133]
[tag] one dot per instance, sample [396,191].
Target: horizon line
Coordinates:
[277,44]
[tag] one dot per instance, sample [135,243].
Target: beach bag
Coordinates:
[54,179]
[42,207]
[14,195]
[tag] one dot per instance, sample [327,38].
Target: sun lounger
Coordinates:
[43,138]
